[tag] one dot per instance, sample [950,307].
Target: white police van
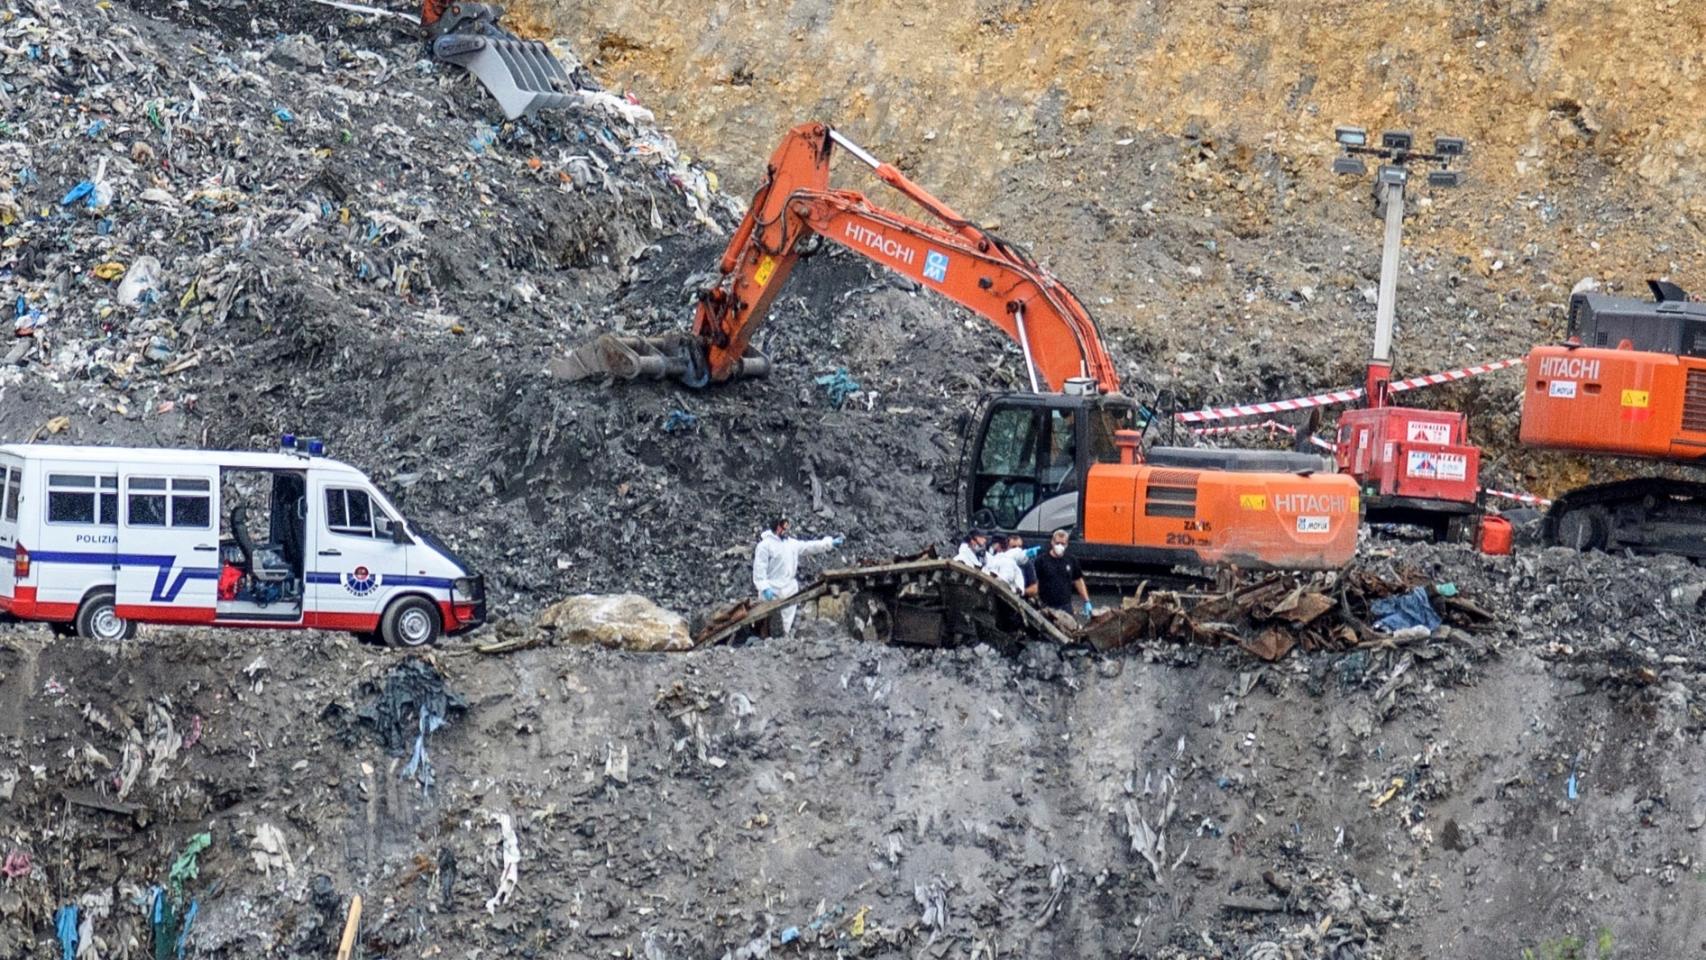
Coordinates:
[95,540]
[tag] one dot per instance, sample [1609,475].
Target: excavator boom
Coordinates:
[952,256]
[1063,455]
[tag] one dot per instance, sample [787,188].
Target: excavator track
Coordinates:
[926,602]
[931,602]
[1647,515]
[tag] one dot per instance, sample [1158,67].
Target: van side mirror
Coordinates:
[393,531]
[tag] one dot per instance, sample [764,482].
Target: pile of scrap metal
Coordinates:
[931,602]
[1270,615]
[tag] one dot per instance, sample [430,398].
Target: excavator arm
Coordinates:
[952,256]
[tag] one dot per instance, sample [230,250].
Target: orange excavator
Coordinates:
[1067,453]
[1629,381]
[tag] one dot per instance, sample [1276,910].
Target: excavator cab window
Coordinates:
[1060,469]
[1032,457]
[1107,419]
[1005,488]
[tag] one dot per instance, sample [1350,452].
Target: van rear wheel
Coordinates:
[98,619]
[410,622]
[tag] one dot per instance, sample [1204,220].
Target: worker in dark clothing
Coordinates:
[1060,581]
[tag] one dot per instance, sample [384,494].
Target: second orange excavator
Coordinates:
[1630,381]
[1065,454]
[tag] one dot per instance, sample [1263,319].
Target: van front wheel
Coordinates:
[98,619]
[410,622]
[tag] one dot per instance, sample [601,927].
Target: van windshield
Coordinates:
[416,528]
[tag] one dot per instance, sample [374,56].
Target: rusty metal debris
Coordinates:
[927,601]
[919,601]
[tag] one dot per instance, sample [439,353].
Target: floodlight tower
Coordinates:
[1415,466]
[1397,152]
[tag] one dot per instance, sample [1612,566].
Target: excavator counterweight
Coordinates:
[1066,453]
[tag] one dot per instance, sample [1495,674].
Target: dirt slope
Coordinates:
[1169,159]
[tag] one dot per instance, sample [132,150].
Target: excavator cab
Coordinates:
[1041,462]
[1032,452]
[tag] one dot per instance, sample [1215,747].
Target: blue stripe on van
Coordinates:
[166,587]
[385,580]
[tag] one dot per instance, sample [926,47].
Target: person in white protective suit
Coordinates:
[1007,562]
[971,550]
[776,566]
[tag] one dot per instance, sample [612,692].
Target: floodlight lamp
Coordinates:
[1349,166]
[1397,140]
[1392,175]
[1351,136]
[1450,146]
[1445,178]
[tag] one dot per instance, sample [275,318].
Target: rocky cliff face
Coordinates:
[1539,88]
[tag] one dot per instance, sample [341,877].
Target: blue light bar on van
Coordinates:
[287,442]
[316,448]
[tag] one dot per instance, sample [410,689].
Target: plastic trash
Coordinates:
[100,198]
[838,385]
[65,923]
[1405,611]
[80,192]
[27,318]
[139,281]
[484,136]
[680,421]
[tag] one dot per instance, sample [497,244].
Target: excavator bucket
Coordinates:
[522,75]
[678,356]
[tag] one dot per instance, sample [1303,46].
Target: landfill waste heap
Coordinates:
[220,222]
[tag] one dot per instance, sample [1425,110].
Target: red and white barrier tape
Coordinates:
[1347,395]
[1271,426]
[1528,498]
[1276,406]
[1461,373]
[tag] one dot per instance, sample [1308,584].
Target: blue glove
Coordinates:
[1031,552]
[768,594]
[837,540]
[1087,608]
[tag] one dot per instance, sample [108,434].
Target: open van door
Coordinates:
[11,485]
[168,550]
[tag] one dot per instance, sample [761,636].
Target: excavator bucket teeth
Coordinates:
[522,75]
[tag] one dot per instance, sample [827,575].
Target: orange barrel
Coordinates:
[1494,537]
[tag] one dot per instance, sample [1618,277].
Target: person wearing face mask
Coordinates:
[1060,581]
[971,549]
[776,566]
[1006,561]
